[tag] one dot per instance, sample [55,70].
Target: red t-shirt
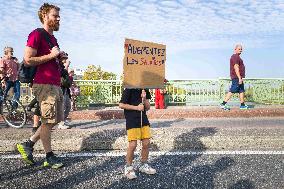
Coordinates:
[236,59]
[48,72]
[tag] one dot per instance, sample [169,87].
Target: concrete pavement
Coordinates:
[263,133]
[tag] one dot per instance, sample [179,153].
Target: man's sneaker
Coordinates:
[52,162]
[26,152]
[146,168]
[245,107]
[225,107]
[129,172]
[62,125]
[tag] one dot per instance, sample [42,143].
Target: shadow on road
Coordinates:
[243,184]
[170,169]
[101,171]
[102,140]
[166,123]
[201,177]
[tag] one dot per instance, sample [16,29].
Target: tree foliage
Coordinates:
[96,73]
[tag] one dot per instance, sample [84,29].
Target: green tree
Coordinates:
[96,73]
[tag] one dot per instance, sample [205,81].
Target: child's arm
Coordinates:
[123,104]
[140,107]
[146,101]
[147,104]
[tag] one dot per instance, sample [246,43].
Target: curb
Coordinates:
[180,113]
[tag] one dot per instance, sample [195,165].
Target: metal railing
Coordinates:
[180,92]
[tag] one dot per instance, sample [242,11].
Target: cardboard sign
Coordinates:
[143,64]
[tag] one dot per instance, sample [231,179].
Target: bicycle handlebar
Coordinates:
[3,78]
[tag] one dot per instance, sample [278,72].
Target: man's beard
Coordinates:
[53,25]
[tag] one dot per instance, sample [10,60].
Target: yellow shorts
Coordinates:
[138,133]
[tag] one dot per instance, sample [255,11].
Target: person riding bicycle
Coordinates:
[11,110]
[9,69]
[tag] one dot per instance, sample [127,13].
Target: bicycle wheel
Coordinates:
[13,113]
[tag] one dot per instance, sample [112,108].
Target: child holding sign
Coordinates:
[133,101]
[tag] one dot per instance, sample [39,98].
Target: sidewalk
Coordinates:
[174,112]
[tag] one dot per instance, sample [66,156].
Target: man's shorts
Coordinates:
[236,87]
[50,99]
[138,133]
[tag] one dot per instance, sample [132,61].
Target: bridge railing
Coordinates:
[180,92]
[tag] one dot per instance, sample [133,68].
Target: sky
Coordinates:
[200,36]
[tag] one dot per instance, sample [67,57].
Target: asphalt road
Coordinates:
[233,171]
[260,165]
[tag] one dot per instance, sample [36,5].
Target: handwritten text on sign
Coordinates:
[145,51]
[144,64]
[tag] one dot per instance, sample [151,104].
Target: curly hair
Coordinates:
[44,9]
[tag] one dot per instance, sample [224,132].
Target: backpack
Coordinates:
[27,73]
[65,79]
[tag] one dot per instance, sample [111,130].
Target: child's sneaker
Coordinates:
[146,168]
[245,107]
[129,172]
[225,107]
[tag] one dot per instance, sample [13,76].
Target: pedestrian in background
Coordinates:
[237,74]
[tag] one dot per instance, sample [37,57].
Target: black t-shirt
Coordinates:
[133,117]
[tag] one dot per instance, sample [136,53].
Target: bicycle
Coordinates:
[11,110]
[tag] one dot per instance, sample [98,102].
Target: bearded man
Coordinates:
[42,51]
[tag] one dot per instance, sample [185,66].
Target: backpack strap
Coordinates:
[46,36]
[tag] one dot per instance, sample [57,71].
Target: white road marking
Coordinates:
[159,153]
